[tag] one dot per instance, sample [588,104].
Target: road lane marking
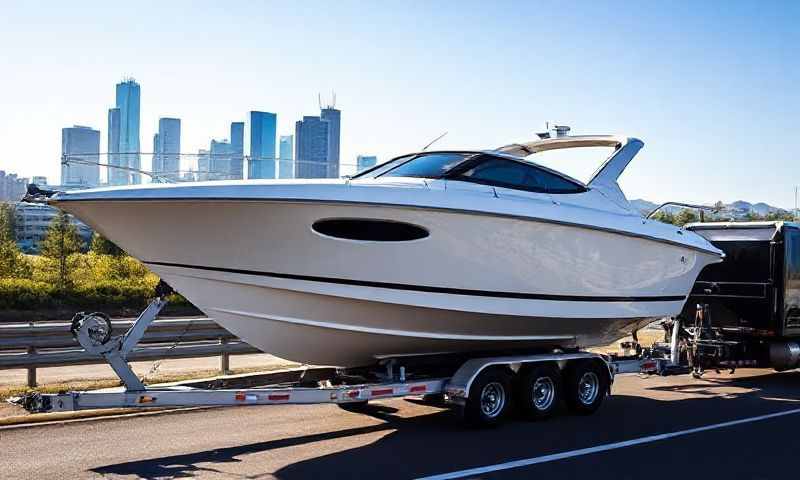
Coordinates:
[602,448]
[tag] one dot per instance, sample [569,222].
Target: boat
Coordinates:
[430,252]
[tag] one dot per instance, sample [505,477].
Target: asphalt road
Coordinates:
[402,439]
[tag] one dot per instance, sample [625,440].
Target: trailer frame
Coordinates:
[391,378]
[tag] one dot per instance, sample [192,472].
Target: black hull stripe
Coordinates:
[426,288]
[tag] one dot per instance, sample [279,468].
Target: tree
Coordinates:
[783,215]
[103,246]
[62,240]
[685,216]
[8,222]
[664,216]
[13,264]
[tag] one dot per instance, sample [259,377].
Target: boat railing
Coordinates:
[701,208]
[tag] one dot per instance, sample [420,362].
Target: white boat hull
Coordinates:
[478,282]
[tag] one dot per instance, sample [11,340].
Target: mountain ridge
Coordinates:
[735,209]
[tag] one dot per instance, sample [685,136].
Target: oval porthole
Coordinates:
[367,229]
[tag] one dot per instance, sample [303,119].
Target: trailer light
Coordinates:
[352,394]
[648,366]
[418,389]
[240,396]
[146,399]
[278,397]
[382,391]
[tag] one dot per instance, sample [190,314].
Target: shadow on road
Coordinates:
[435,441]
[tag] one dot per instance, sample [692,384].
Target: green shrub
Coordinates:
[109,292]
[26,294]
[94,281]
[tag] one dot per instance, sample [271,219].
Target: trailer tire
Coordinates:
[585,384]
[539,391]
[489,398]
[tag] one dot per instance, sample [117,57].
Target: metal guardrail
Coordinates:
[51,344]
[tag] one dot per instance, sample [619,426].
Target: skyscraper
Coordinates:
[203,165]
[263,132]
[364,162]
[333,117]
[116,176]
[124,119]
[167,148]
[12,187]
[237,150]
[220,160]
[311,148]
[286,168]
[158,162]
[80,150]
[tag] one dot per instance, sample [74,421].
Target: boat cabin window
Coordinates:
[431,165]
[507,173]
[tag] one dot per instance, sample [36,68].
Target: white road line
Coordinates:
[603,448]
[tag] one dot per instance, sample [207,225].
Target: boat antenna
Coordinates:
[434,141]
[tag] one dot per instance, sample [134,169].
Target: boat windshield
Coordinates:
[426,165]
[487,169]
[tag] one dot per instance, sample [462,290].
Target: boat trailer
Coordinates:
[480,387]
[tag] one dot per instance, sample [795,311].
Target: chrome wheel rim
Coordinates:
[493,398]
[544,392]
[588,388]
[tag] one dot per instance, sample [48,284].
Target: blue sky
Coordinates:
[711,87]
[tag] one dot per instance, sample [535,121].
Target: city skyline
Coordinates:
[223,160]
[691,80]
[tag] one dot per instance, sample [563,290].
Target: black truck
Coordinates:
[745,311]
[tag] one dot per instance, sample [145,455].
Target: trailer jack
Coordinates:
[93,332]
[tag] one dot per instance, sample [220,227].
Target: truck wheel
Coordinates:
[539,391]
[586,385]
[488,399]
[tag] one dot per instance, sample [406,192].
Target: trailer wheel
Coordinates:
[355,407]
[488,399]
[539,391]
[585,384]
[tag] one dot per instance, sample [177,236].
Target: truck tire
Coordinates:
[585,385]
[489,398]
[539,391]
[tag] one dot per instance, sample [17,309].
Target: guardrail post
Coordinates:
[224,358]
[31,370]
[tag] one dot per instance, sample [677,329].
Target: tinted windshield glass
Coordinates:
[378,170]
[510,174]
[432,165]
